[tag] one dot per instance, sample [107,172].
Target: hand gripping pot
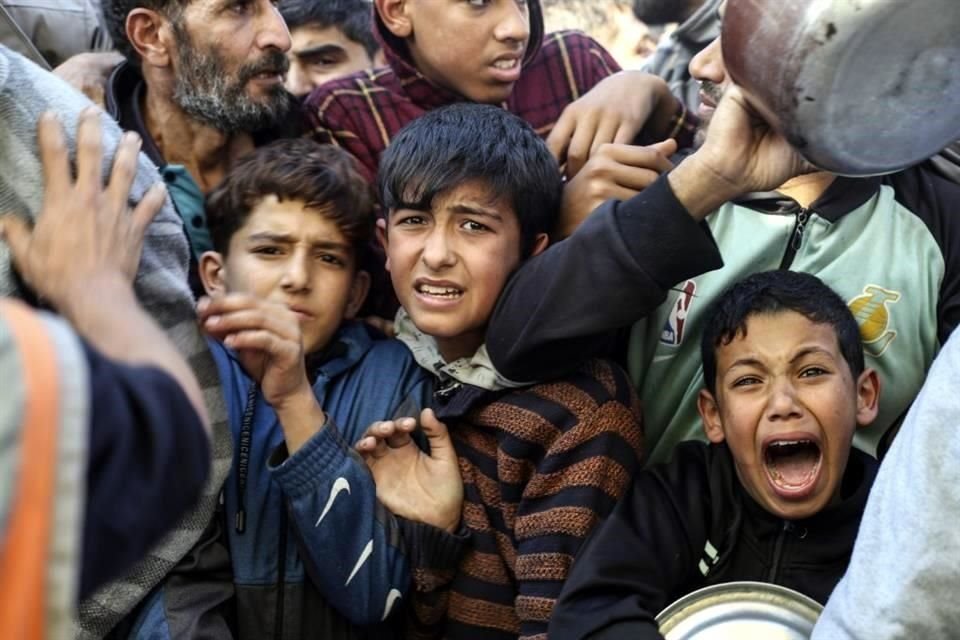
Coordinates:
[859,87]
[740,611]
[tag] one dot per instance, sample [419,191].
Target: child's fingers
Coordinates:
[559,138]
[666,147]
[365,445]
[625,134]
[255,319]
[441,446]
[373,448]
[372,429]
[579,150]
[219,304]
[605,134]
[396,433]
[262,341]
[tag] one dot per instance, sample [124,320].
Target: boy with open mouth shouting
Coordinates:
[776,496]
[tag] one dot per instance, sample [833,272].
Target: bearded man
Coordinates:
[202,83]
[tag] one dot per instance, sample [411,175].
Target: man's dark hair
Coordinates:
[322,176]
[353,17]
[772,292]
[115,20]
[448,147]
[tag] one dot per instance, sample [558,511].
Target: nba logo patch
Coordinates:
[673,328]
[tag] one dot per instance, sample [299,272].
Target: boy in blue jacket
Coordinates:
[312,552]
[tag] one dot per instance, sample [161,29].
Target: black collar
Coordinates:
[841,197]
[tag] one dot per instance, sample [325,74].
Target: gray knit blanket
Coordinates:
[26,91]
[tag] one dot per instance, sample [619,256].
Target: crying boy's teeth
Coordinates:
[447,292]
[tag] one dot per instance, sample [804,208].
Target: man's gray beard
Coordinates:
[204,91]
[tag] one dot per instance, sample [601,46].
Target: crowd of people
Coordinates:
[455,319]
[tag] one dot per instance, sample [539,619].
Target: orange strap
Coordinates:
[25,545]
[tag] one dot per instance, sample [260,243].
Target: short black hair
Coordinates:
[115,14]
[322,176]
[772,292]
[353,17]
[467,141]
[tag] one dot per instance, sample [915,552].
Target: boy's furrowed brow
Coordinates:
[286,238]
[268,236]
[745,362]
[320,49]
[810,351]
[475,210]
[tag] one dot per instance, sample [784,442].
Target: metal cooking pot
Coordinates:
[859,87]
[740,610]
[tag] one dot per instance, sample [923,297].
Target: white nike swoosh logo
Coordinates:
[392,598]
[367,550]
[662,358]
[340,484]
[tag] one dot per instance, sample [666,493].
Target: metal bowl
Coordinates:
[740,610]
[859,87]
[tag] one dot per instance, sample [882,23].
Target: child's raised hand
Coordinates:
[614,172]
[613,112]
[267,339]
[411,483]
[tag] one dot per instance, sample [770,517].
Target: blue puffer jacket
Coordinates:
[313,553]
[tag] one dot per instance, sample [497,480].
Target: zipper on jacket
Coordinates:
[796,237]
[446,390]
[281,573]
[778,551]
[243,457]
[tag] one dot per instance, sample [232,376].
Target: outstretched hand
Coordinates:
[268,342]
[613,112]
[84,231]
[411,483]
[614,172]
[266,337]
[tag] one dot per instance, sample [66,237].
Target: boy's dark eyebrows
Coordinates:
[320,49]
[746,362]
[270,236]
[476,210]
[809,351]
[286,238]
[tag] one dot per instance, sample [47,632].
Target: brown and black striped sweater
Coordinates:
[541,467]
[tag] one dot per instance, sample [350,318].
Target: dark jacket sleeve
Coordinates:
[149,458]
[642,555]
[935,200]
[560,308]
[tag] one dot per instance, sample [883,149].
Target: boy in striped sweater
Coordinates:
[469,193]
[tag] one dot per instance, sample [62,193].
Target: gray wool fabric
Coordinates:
[26,91]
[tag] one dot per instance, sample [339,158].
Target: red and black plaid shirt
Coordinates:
[362,112]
